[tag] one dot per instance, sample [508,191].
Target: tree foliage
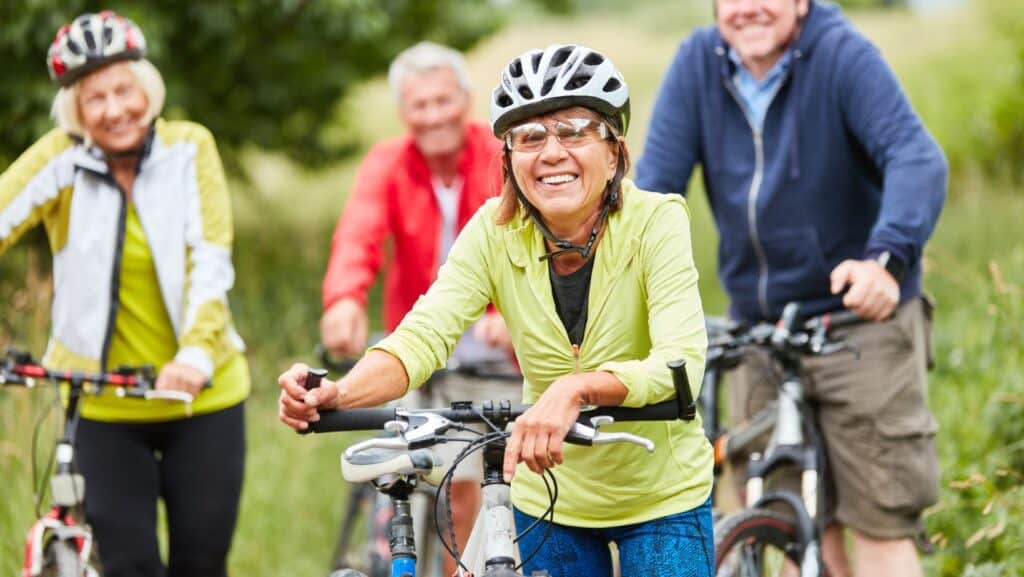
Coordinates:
[267,73]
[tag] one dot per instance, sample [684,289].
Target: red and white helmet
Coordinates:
[91,41]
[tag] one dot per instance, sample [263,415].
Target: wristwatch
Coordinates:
[892,265]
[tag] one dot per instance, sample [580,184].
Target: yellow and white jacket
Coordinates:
[182,201]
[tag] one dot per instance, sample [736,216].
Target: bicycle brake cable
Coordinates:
[549,513]
[452,546]
[39,482]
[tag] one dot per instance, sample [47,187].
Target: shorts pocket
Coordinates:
[906,470]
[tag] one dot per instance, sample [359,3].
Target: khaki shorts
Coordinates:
[872,411]
[456,387]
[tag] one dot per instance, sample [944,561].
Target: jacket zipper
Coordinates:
[115,279]
[753,194]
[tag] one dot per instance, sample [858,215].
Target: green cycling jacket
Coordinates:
[644,310]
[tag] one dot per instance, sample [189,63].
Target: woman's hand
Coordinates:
[539,433]
[297,407]
[177,376]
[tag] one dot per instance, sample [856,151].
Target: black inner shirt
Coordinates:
[572,292]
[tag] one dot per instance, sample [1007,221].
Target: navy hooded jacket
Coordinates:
[843,168]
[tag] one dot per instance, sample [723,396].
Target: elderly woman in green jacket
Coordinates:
[596,281]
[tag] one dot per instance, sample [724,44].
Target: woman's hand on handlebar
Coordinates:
[539,434]
[297,407]
[175,376]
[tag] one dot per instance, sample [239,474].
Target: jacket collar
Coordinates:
[620,242]
[93,159]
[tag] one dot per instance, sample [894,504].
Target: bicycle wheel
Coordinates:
[755,542]
[362,542]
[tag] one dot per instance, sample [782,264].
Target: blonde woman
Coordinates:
[138,218]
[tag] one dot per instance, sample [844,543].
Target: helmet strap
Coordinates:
[611,195]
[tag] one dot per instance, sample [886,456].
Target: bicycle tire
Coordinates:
[352,552]
[755,542]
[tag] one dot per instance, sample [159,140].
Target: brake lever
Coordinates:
[584,435]
[831,348]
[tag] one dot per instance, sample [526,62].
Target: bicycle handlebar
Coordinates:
[19,368]
[682,407]
[789,334]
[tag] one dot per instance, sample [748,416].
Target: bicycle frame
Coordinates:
[795,440]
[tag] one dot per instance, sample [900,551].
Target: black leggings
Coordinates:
[194,464]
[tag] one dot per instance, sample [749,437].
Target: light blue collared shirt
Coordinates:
[758,94]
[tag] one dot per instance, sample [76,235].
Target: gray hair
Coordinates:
[64,110]
[421,58]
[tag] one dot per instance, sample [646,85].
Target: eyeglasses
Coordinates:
[570,133]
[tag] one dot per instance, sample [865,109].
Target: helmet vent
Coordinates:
[503,100]
[578,81]
[593,59]
[516,68]
[90,41]
[535,61]
[561,56]
[547,86]
[612,85]
[525,92]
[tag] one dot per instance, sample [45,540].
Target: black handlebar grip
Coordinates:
[313,378]
[684,396]
[663,411]
[352,420]
[843,318]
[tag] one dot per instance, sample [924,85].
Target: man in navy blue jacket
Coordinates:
[825,186]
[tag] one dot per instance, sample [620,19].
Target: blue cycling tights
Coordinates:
[680,545]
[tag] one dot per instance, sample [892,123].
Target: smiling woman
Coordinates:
[595,279]
[138,218]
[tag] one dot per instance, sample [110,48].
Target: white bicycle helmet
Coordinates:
[91,41]
[560,76]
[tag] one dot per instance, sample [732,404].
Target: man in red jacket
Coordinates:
[419,190]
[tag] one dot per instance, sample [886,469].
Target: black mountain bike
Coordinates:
[782,526]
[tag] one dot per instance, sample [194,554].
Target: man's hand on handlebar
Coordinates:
[344,328]
[492,330]
[297,407]
[873,293]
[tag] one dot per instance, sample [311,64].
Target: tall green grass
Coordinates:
[952,66]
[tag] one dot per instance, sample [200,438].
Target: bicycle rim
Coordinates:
[755,543]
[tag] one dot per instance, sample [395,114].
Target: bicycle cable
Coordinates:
[39,482]
[452,546]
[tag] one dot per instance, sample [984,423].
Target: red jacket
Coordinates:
[394,197]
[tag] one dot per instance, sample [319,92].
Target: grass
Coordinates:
[974,266]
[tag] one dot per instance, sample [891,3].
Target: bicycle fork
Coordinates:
[788,446]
